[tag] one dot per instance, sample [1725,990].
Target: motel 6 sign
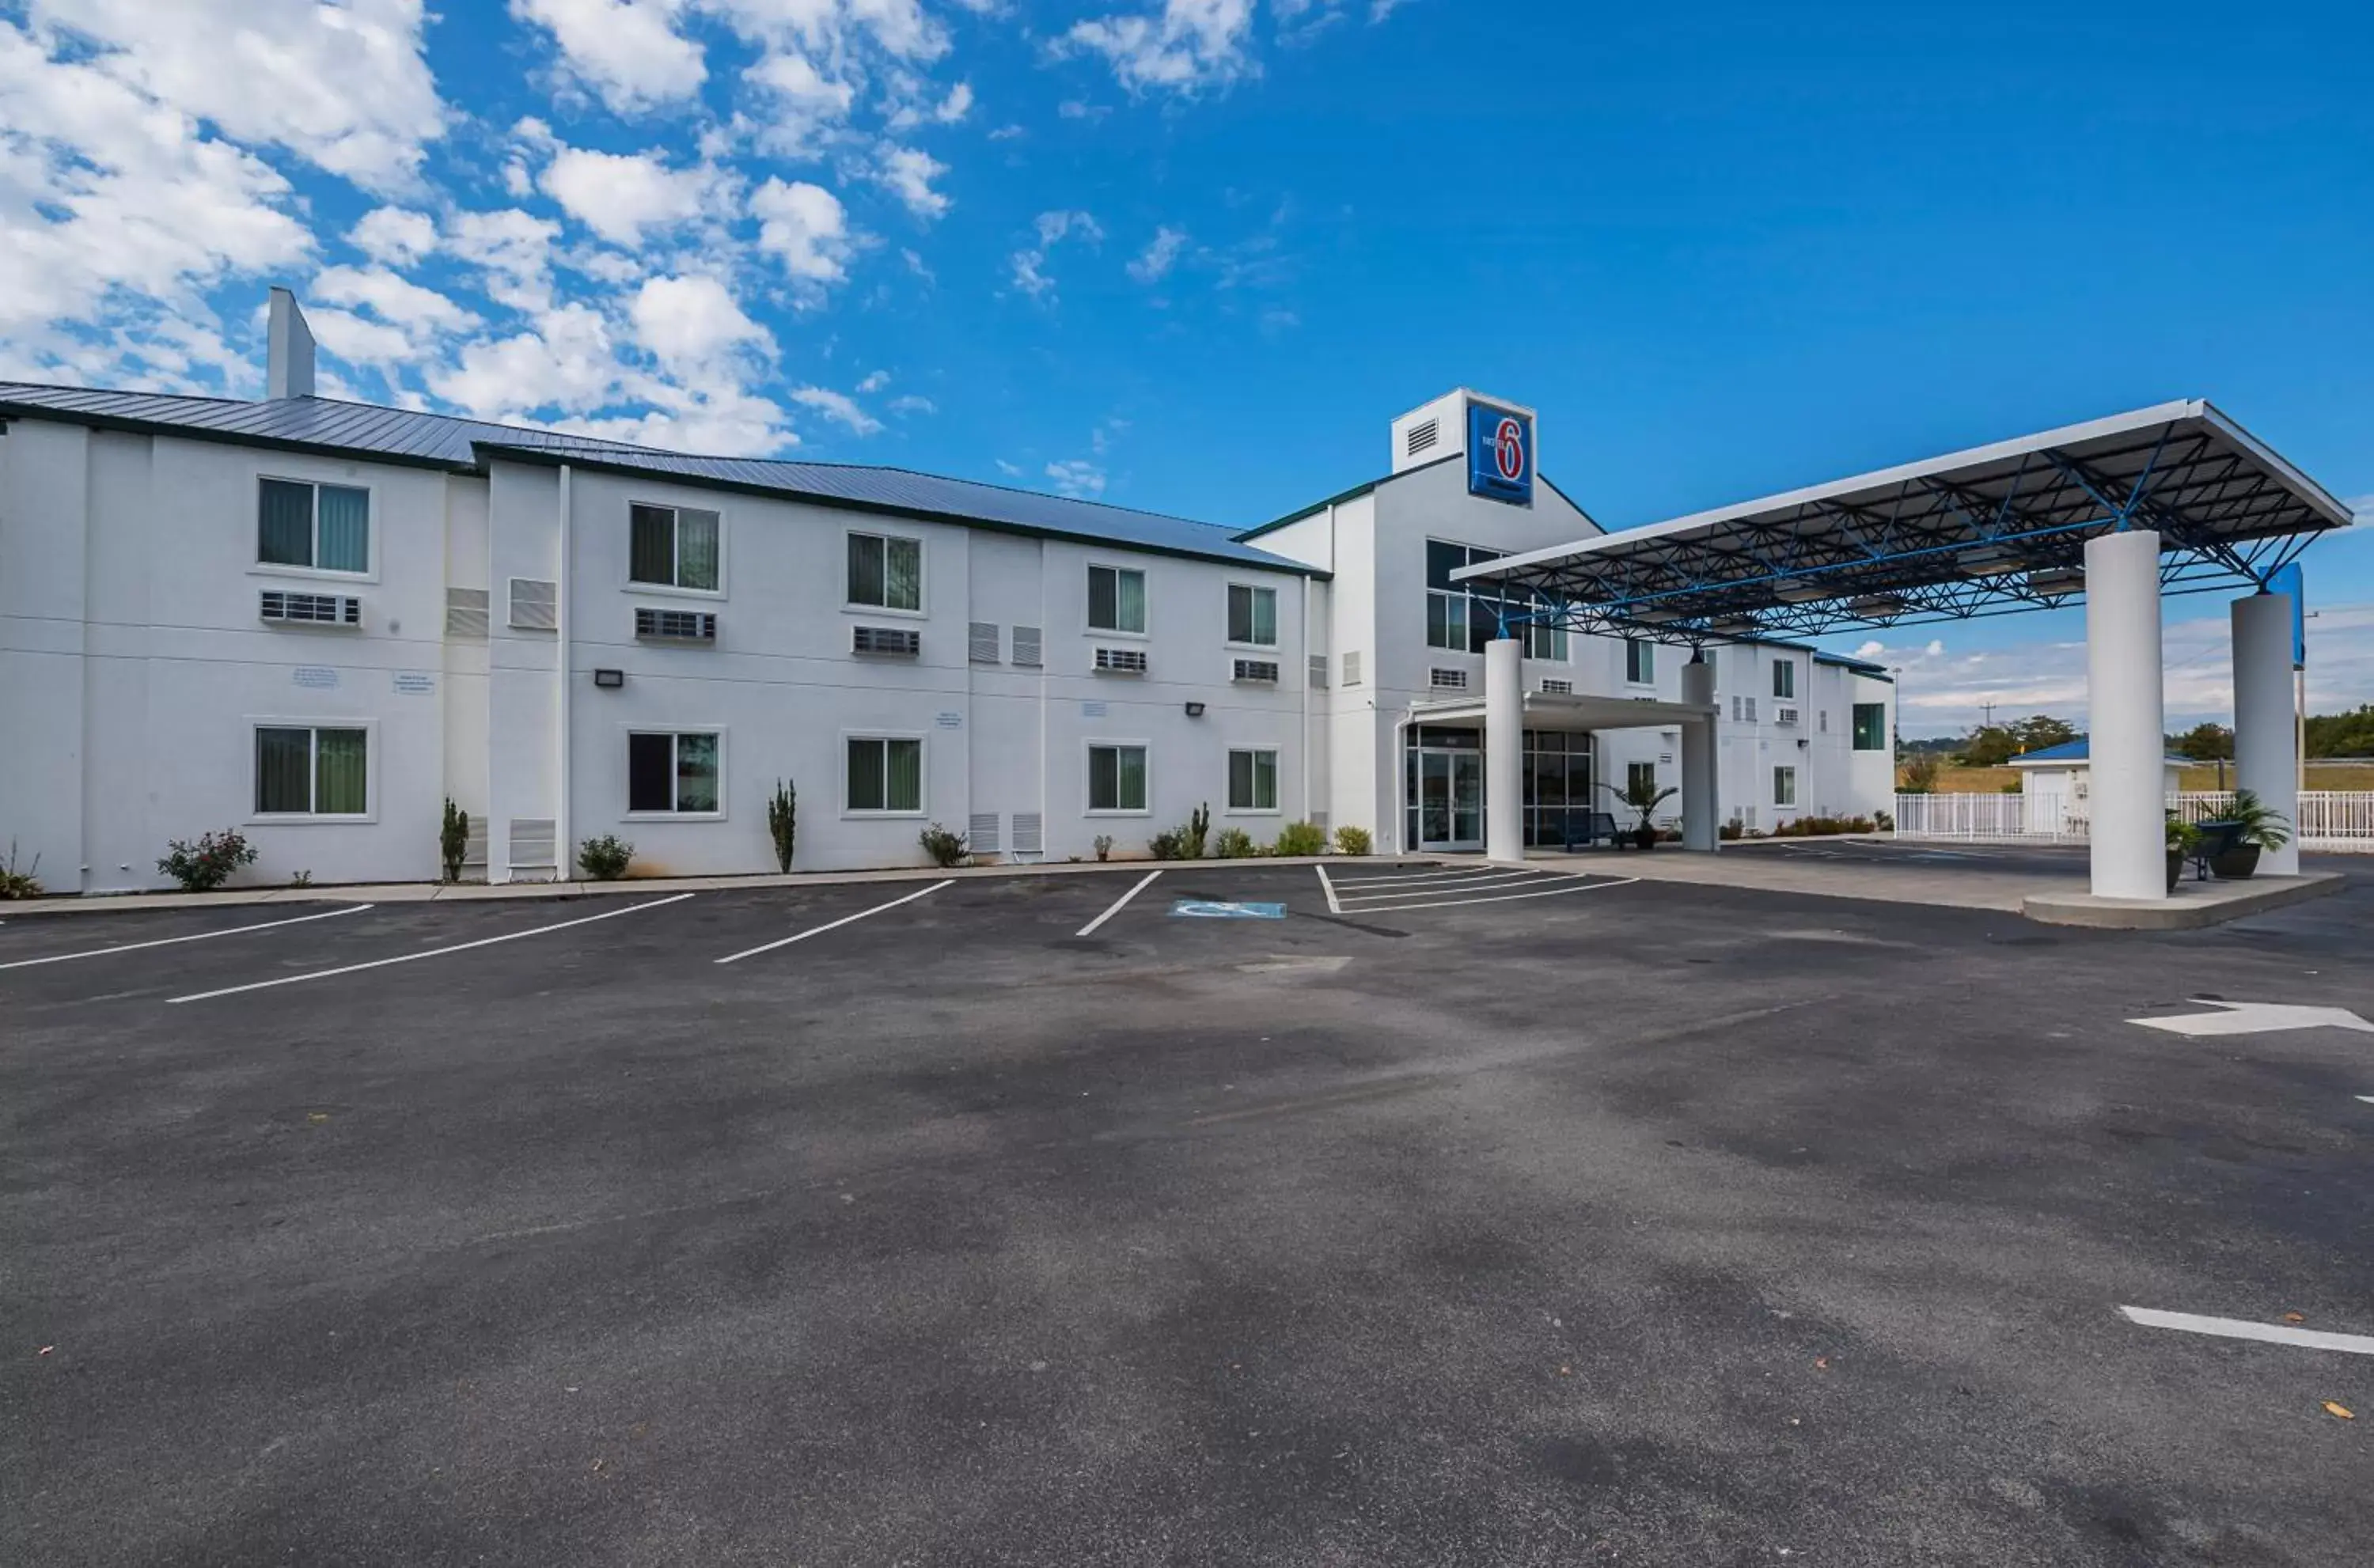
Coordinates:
[1499,454]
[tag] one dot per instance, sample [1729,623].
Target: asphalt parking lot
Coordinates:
[1408,1215]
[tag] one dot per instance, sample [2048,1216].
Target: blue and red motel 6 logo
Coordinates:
[1499,454]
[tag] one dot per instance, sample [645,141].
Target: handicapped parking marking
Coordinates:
[1215,909]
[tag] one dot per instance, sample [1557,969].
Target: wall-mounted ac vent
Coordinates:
[535,604]
[1824,725]
[1025,648]
[1784,715]
[534,845]
[1422,436]
[981,642]
[1447,680]
[467,611]
[676,625]
[1318,819]
[1030,836]
[1553,687]
[1121,661]
[980,836]
[1256,670]
[310,609]
[1317,676]
[896,640]
[1352,668]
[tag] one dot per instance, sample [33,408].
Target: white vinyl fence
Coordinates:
[2330,820]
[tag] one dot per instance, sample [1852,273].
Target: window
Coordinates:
[672,772]
[1116,599]
[1784,678]
[672,547]
[1117,778]
[1252,616]
[302,771]
[1544,640]
[886,774]
[1640,776]
[1252,781]
[1455,618]
[1871,726]
[326,527]
[1784,786]
[885,572]
[1639,661]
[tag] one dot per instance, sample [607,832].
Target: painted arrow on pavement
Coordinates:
[2257,1018]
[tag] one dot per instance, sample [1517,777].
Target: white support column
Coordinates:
[2264,743]
[1702,797]
[1504,750]
[2126,744]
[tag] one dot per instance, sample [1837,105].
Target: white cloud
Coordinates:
[689,323]
[566,362]
[911,403]
[804,228]
[1077,477]
[1012,471]
[1185,46]
[833,27]
[628,51]
[395,236]
[514,250]
[356,340]
[398,302]
[618,195]
[1053,228]
[1154,264]
[1006,133]
[956,106]
[909,172]
[874,382]
[839,407]
[1025,265]
[802,105]
[1056,226]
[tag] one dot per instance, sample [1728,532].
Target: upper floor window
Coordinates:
[1639,660]
[1545,639]
[1252,615]
[1455,617]
[672,547]
[886,572]
[326,527]
[1871,726]
[1784,678]
[1117,600]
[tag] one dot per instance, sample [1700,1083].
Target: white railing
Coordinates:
[2330,820]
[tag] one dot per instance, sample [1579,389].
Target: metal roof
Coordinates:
[401,435]
[2080,750]
[1989,530]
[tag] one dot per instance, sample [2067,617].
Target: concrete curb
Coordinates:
[440,892]
[2194,905]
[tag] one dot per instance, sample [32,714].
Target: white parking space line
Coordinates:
[2243,1329]
[1327,886]
[1117,905]
[831,926]
[1349,882]
[429,953]
[1574,884]
[170,941]
[1501,878]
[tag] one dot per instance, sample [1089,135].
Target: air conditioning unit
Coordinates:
[310,609]
[1447,680]
[1257,670]
[1784,715]
[1121,661]
[1553,687]
[676,625]
[898,641]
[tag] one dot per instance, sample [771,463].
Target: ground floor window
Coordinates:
[1784,786]
[1252,781]
[672,772]
[305,771]
[1558,788]
[886,774]
[1117,778]
[1640,776]
[1442,786]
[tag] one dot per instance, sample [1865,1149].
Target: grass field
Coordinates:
[1953,781]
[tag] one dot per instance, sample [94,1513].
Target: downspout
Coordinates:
[562,860]
[1306,746]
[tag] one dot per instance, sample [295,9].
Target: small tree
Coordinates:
[453,839]
[783,822]
[1920,774]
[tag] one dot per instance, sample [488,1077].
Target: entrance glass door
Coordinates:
[1450,800]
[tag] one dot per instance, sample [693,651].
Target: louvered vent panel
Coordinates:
[1121,661]
[1318,672]
[533,846]
[1263,669]
[1555,687]
[1423,437]
[310,609]
[1025,647]
[1029,838]
[981,642]
[474,848]
[468,613]
[1447,680]
[535,604]
[895,640]
[1352,668]
[983,838]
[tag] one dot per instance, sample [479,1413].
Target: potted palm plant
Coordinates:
[2184,840]
[2255,825]
[1644,796]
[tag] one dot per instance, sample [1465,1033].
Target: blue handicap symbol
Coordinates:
[1214,910]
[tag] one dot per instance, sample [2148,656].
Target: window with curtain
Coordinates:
[1252,615]
[1784,786]
[1871,726]
[326,527]
[304,771]
[886,572]
[1639,775]
[1116,599]
[1252,781]
[672,547]
[1639,661]
[1116,779]
[672,772]
[886,774]
[1784,678]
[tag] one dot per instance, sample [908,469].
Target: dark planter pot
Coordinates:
[2175,869]
[2235,865]
[1646,837]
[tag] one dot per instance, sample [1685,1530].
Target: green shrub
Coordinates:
[453,839]
[946,848]
[15,884]
[202,866]
[1235,844]
[783,822]
[1731,831]
[1170,844]
[1350,841]
[605,858]
[1301,838]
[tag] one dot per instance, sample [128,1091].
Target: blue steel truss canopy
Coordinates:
[1989,530]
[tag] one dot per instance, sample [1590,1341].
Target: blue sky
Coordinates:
[1194,254]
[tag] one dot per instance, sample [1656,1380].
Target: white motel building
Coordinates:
[315,621]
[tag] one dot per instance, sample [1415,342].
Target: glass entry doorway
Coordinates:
[1450,798]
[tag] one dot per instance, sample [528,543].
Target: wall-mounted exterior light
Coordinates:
[1194,711]
[609,680]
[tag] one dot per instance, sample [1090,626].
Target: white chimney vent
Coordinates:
[289,366]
